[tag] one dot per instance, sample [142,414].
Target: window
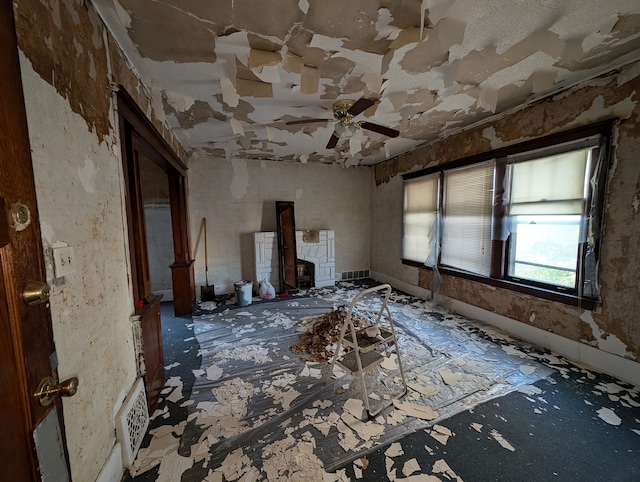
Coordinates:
[544,249]
[526,217]
[547,201]
[419,220]
[466,222]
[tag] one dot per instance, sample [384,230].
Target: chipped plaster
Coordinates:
[291,60]
[69,64]
[240,180]
[87,174]
[604,341]
[612,326]
[78,183]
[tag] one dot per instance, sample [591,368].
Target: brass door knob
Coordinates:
[49,388]
[35,292]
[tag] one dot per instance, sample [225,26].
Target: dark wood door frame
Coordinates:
[139,136]
[182,268]
[139,139]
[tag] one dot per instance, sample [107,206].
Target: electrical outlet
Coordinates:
[63,261]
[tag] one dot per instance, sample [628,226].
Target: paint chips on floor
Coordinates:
[501,440]
[609,416]
[258,411]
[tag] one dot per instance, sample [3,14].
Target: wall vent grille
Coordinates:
[132,422]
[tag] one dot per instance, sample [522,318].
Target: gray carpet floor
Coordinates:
[519,413]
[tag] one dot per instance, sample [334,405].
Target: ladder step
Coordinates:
[366,343]
[368,359]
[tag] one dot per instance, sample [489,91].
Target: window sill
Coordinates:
[564,298]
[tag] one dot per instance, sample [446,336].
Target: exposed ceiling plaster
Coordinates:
[230,73]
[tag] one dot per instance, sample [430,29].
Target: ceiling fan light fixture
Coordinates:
[345,131]
[344,114]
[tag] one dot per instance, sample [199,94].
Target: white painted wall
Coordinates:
[238,198]
[79,188]
[386,232]
[157,219]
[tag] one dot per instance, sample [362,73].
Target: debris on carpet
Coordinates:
[316,344]
[257,412]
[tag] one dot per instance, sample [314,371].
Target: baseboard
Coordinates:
[603,361]
[112,470]
[401,285]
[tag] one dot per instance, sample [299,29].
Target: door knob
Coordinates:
[49,388]
[35,292]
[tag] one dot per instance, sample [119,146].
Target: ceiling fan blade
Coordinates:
[360,105]
[387,131]
[305,121]
[333,140]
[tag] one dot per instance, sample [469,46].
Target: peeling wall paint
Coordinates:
[87,174]
[53,49]
[79,202]
[605,341]
[325,197]
[69,65]
[613,326]
[240,181]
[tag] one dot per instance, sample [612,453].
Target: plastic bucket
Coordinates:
[244,292]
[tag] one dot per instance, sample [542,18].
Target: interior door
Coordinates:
[287,245]
[27,352]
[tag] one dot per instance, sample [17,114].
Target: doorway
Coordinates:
[157,217]
[142,145]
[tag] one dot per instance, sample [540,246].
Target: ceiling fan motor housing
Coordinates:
[341,111]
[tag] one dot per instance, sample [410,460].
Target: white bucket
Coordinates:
[244,292]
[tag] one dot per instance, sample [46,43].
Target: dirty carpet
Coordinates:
[240,405]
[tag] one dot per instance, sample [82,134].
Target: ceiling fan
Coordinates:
[344,112]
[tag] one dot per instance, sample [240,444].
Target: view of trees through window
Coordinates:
[546,248]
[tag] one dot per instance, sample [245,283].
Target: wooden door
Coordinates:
[27,352]
[287,245]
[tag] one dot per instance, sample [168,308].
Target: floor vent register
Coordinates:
[132,422]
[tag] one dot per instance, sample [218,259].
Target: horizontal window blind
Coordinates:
[550,185]
[466,229]
[419,217]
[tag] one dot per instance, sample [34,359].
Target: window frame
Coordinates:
[498,276]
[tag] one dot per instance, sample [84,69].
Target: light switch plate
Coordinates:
[63,261]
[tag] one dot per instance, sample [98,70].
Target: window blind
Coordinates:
[419,217]
[467,213]
[550,185]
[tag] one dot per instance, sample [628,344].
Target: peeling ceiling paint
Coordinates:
[231,73]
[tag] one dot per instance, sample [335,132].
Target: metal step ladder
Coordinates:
[365,350]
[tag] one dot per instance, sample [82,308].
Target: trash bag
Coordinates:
[266,291]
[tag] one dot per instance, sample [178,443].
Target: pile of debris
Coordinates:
[317,344]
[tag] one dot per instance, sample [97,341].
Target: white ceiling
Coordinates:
[229,73]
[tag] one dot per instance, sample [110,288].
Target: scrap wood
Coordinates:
[324,333]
